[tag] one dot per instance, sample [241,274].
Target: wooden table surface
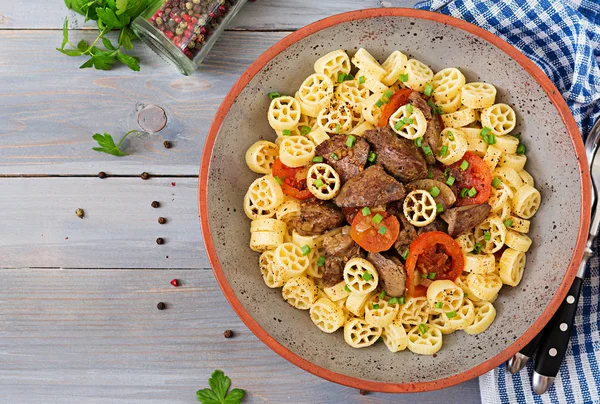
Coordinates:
[78,317]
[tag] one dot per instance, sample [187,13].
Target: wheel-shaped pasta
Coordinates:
[500,118]
[368,65]
[526,177]
[312,242]
[360,129]
[318,135]
[360,276]
[475,143]
[375,86]
[484,286]
[454,146]
[360,334]
[315,268]
[394,336]
[394,66]
[337,292]
[485,313]
[371,112]
[517,224]
[284,113]
[356,303]
[288,209]
[290,258]
[271,273]
[466,241]
[296,151]
[461,282]
[337,118]
[514,161]
[508,144]
[263,196]
[323,181]
[410,123]
[447,107]
[266,234]
[302,127]
[441,322]
[526,201]
[500,195]
[463,317]
[447,83]
[353,93]
[478,95]
[424,339]
[419,208]
[261,156]
[512,265]
[415,311]
[460,118]
[333,63]
[327,315]
[419,74]
[508,176]
[300,292]
[518,241]
[379,312]
[444,296]
[492,156]
[479,263]
[491,233]
[316,91]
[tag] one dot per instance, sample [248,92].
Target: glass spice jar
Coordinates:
[184,31]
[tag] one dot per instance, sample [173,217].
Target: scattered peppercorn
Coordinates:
[228,334]
[162,220]
[175,282]
[79,213]
[155,204]
[167,144]
[145,176]
[102,175]
[363,392]
[160,241]
[161,306]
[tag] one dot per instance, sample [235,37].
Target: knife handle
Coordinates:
[553,346]
[529,349]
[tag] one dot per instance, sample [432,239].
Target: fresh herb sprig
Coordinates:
[218,391]
[107,143]
[109,15]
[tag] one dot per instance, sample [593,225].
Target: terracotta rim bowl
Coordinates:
[580,172]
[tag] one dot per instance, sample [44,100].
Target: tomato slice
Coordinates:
[433,252]
[294,180]
[398,99]
[477,175]
[375,237]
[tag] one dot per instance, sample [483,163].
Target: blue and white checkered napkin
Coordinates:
[563,38]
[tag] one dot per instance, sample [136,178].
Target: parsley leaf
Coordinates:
[217,393]
[107,144]
[131,61]
[121,6]
[65,34]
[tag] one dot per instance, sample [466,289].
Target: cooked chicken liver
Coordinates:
[346,161]
[465,218]
[399,156]
[437,225]
[339,248]
[392,275]
[406,235]
[316,217]
[372,187]
[434,127]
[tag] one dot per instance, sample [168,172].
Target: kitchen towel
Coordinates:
[563,38]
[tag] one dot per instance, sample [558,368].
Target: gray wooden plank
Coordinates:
[95,336]
[119,230]
[263,14]
[49,108]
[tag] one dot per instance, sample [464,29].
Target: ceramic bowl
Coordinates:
[556,159]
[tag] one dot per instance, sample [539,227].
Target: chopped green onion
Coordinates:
[403,77]
[321,261]
[305,130]
[427,150]
[521,149]
[508,222]
[431,275]
[472,192]
[435,191]
[451,314]
[385,99]
[388,93]
[382,295]
[318,159]
[487,236]
[337,128]
[274,95]
[366,211]
[446,172]
[450,135]
[428,90]
[367,276]
[361,80]
[450,181]
[477,248]
[286,132]
[319,183]
[466,295]
[379,103]
[393,300]
[372,157]
[496,182]
[439,207]
[377,218]
[382,230]
[401,300]
[341,77]
[347,289]
[443,150]
[429,173]
[491,139]
[279,180]
[419,141]
[464,192]
[334,157]
[409,108]
[349,77]
[350,141]
[424,276]
[423,328]
[407,121]
[431,104]
[439,305]
[484,132]
[305,249]
[375,306]
[405,255]
[398,125]
[464,165]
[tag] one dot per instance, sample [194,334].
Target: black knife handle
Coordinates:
[529,349]
[553,346]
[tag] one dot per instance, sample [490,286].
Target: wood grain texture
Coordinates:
[263,14]
[119,229]
[95,336]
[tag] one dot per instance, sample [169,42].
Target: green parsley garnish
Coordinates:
[361,79]
[388,93]
[439,207]
[419,141]
[405,255]
[401,300]
[431,275]
[444,151]
[279,180]
[450,135]
[393,300]
[464,165]
[382,295]
[305,130]
[521,149]
[337,128]
[464,192]
[451,314]
[409,108]
[427,150]
[286,132]
[423,328]
[496,182]
[219,391]
[439,305]
[487,236]
[334,157]
[382,230]
[477,248]
[472,192]
[375,306]
[341,77]
[319,183]
[347,289]
[508,222]
[372,157]
[379,103]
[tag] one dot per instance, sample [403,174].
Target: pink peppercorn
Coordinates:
[203,30]
[194,20]
[177,19]
[169,34]
[159,13]
[222,9]
[212,15]
[187,18]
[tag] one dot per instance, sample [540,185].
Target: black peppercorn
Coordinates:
[145,176]
[363,392]
[161,306]
[102,174]
[167,144]
[155,204]
[160,241]
[162,220]
[228,334]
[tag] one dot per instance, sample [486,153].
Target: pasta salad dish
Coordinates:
[393,203]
